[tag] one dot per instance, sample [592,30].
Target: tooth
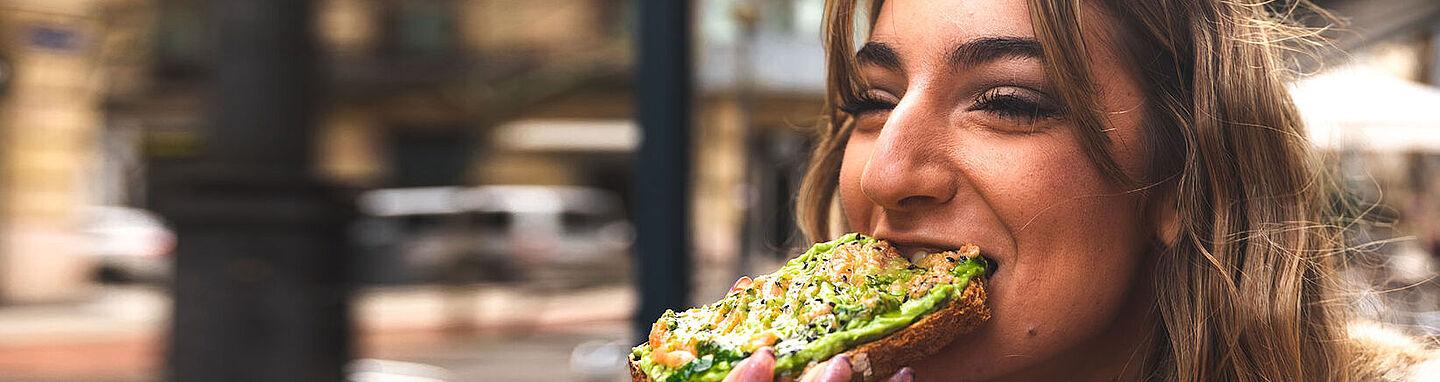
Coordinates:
[919,254]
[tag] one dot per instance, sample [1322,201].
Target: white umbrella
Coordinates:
[1356,108]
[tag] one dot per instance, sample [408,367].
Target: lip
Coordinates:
[907,247]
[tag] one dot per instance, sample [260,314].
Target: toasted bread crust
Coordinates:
[924,338]
[881,358]
[636,374]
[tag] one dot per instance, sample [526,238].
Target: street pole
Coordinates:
[259,289]
[663,83]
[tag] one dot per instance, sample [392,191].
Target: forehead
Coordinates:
[922,25]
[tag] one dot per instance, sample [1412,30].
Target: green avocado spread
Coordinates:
[836,296]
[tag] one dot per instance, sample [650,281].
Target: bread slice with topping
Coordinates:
[855,295]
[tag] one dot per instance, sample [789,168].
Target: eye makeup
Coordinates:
[1013,103]
[1018,104]
[867,102]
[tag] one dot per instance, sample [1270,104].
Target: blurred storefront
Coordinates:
[760,76]
[418,86]
[504,92]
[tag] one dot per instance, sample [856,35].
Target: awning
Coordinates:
[1358,109]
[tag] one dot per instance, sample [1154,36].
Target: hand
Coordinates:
[760,367]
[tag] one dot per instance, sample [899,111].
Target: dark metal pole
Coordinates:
[260,292]
[663,164]
[1433,77]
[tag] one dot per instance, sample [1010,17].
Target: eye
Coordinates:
[871,101]
[1017,104]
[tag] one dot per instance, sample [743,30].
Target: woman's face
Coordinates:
[962,139]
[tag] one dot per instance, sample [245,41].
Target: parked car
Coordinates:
[567,235]
[127,244]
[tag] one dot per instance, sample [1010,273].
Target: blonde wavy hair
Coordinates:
[1247,289]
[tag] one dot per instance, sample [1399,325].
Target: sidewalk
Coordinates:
[118,334]
[115,335]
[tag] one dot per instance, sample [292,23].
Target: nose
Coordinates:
[907,170]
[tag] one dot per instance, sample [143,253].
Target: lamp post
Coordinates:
[662,164]
[259,289]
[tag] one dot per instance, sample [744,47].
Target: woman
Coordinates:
[1135,168]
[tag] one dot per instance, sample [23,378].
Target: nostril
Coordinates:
[916,200]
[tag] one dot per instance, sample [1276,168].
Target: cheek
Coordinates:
[1072,229]
[1080,242]
[857,207]
[1061,208]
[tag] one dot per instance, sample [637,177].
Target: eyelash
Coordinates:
[1007,106]
[1014,107]
[865,104]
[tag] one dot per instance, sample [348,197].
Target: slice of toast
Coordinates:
[881,358]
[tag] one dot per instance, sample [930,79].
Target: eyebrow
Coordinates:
[986,49]
[970,53]
[878,53]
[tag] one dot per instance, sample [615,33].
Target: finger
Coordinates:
[904,375]
[759,367]
[837,369]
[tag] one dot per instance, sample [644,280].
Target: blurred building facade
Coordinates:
[50,114]
[417,87]
[418,93]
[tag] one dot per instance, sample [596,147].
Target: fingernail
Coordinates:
[757,367]
[904,375]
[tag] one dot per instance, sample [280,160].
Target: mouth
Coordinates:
[914,251]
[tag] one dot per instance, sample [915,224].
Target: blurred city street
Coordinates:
[493,190]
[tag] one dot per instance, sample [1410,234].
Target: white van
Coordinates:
[553,234]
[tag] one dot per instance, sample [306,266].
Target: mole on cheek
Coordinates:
[1030,332]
